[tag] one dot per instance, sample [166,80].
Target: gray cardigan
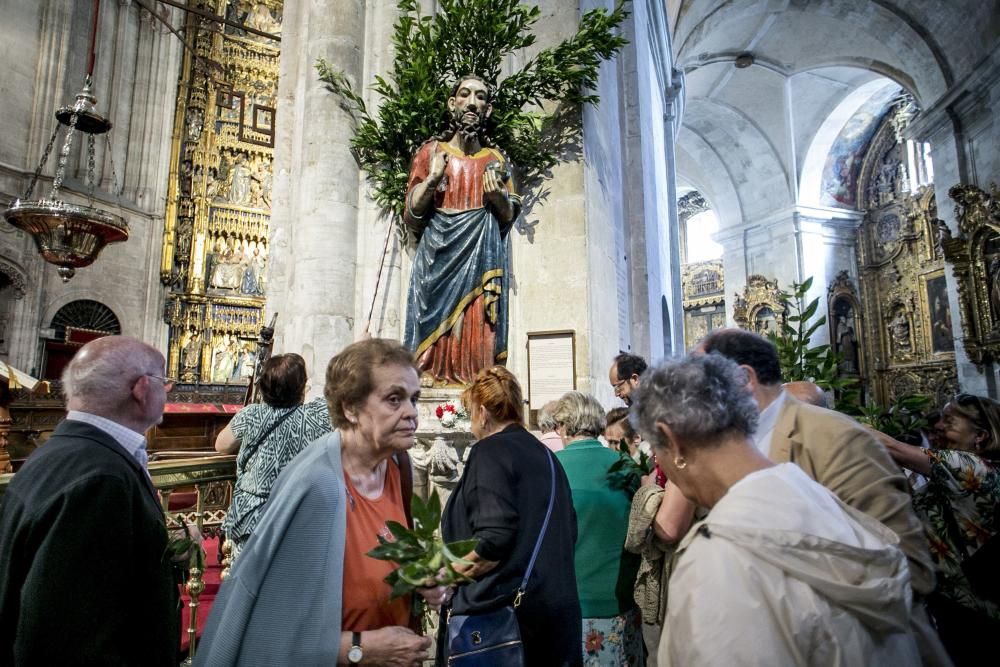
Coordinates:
[281,604]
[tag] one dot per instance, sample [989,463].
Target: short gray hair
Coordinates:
[580,414]
[700,397]
[546,421]
[101,374]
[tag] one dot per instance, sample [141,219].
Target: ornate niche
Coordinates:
[904,341]
[845,323]
[759,309]
[975,258]
[215,250]
[704,287]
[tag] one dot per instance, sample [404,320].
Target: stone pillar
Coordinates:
[313,241]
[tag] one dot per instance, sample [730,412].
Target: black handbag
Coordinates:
[493,639]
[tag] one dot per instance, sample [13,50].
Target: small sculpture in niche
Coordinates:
[899,333]
[191,355]
[765,321]
[844,337]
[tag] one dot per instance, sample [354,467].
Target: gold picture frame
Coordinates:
[937,323]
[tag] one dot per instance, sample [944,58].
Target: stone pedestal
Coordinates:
[441,451]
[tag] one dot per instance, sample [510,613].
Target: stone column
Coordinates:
[313,240]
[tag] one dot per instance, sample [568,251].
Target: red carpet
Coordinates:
[212,581]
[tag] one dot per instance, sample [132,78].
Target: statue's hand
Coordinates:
[494,190]
[439,162]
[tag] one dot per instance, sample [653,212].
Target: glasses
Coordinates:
[615,385]
[168,383]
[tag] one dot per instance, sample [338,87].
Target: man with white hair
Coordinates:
[84,577]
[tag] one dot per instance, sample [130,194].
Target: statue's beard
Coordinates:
[469,128]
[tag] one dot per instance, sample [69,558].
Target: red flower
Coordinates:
[450,408]
[594,642]
[439,412]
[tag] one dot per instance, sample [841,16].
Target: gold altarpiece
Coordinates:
[897,328]
[703,285]
[759,308]
[215,247]
[975,256]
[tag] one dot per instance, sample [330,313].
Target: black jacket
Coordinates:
[501,499]
[84,579]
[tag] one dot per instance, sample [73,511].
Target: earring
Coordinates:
[680,462]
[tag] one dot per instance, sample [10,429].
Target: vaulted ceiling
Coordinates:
[746,133]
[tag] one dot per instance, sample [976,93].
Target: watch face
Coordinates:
[354,655]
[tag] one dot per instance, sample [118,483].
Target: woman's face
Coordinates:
[388,417]
[614,434]
[959,432]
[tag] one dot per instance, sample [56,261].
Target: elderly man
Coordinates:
[624,375]
[83,575]
[838,453]
[461,204]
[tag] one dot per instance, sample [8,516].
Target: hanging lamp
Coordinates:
[70,235]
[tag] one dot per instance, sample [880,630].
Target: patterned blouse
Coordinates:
[258,467]
[968,487]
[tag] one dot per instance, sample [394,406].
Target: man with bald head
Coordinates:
[840,454]
[84,578]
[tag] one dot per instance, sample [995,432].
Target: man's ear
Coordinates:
[140,389]
[489,110]
[451,104]
[752,381]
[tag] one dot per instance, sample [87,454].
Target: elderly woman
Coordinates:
[267,436]
[780,572]
[501,500]
[958,506]
[303,591]
[605,572]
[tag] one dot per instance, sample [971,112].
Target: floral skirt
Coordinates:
[614,642]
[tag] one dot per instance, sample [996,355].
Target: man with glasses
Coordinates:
[624,375]
[84,577]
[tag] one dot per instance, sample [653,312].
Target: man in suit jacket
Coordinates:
[840,454]
[84,578]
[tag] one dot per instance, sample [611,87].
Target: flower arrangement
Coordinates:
[449,415]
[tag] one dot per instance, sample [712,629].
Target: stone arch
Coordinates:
[16,277]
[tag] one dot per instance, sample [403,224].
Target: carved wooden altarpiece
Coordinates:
[219,203]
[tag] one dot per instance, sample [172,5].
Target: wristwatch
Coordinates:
[355,654]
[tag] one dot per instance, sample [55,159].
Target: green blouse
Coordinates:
[605,572]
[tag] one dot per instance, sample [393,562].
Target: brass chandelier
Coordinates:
[70,235]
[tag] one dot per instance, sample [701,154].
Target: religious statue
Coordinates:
[899,332]
[191,356]
[239,187]
[847,345]
[460,202]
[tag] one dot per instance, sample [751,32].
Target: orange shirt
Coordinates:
[366,604]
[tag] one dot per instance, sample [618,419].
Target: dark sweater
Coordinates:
[83,576]
[501,500]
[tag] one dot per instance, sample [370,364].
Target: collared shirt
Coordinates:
[766,423]
[133,442]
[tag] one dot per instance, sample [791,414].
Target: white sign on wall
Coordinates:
[551,366]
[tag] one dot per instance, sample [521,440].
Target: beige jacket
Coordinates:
[844,457]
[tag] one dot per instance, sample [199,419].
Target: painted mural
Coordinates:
[843,164]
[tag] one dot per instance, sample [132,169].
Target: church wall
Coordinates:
[135,86]
[550,285]
[314,226]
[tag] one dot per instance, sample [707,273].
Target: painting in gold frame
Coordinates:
[939,332]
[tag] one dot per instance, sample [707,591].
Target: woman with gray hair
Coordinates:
[605,572]
[780,572]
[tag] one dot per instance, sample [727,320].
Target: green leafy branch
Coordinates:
[183,549]
[475,37]
[422,556]
[626,473]
[799,359]
[906,415]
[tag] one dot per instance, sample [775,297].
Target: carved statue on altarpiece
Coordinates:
[460,202]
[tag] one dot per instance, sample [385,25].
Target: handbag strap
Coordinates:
[259,441]
[541,535]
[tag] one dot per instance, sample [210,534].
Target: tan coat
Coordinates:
[844,457]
